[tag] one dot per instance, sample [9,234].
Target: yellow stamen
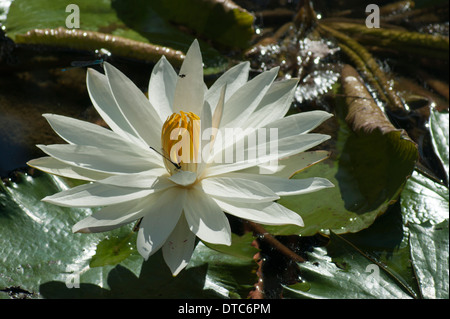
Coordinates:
[180,139]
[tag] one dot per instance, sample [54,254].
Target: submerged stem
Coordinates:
[260,230]
[364,61]
[136,226]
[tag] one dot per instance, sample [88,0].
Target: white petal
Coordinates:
[53,166]
[284,186]
[218,110]
[79,132]
[177,251]
[209,131]
[205,138]
[286,147]
[94,195]
[283,128]
[265,213]
[135,107]
[148,179]
[190,88]
[183,178]
[103,101]
[114,216]
[245,100]
[98,159]
[206,220]
[274,105]
[288,166]
[238,189]
[300,123]
[233,78]
[205,124]
[161,88]
[284,213]
[160,221]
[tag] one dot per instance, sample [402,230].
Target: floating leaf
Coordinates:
[369,169]
[210,274]
[124,28]
[229,276]
[41,257]
[24,16]
[430,257]
[91,40]
[439,129]
[386,243]
[36,243]
[241,247]
[340,271]
[425,209]
[113,250]
[222,21]
[424,200]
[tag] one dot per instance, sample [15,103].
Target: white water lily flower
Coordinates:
[134,173]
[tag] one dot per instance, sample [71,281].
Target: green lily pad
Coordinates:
[42,258]
[222,21]
[369,168]
[227,275]
[430,257]
[425,209]
[439,129]
[209,275]
[24,16]
[424,200]
[113,250]
[133,20]
[340,271]
[241,247]
[36,243]
[386,243]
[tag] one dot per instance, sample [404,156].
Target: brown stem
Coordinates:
[136,226]
[260,230]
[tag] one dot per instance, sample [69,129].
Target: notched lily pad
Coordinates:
[372,163]
[379,174]
[112,250]
[222,21]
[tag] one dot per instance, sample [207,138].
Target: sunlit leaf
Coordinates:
[40,255]
[36,243]
[439,129]
[241,247]
[424,200]
[339,271]
[430,257]
[222,21]
[132,20]
[113,250]
[370,166]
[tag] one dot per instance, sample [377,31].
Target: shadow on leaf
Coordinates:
[154,281]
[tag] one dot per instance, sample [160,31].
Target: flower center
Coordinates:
[180,137]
